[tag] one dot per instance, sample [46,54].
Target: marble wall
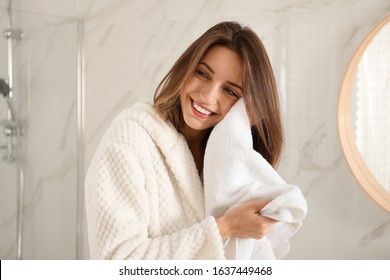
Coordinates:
[129,47]
[45,91]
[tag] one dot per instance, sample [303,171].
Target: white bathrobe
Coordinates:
[235,173]
[144,196]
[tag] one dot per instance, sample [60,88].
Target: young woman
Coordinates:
[144,192]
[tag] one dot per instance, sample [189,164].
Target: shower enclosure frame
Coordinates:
[12,118]
[12,128]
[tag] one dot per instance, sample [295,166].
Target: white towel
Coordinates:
[234,173]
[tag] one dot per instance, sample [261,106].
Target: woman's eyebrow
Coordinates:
[207,66]
[212,71]
[235,85]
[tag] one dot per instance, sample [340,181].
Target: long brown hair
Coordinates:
[259,86]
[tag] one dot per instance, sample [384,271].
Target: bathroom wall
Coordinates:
[45,72]
[129,47]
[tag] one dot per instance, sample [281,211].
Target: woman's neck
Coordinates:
[196,140]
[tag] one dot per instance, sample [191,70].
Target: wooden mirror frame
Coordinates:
[347,136]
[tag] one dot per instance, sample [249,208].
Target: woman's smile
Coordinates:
[201,111]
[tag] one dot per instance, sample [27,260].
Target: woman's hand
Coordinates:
[245,221]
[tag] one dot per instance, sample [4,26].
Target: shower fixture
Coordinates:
[13,34]
[4,88]
[12,123]
[13,129]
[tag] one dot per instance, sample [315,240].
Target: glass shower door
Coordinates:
[45,69]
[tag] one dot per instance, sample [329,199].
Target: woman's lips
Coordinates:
[201,111]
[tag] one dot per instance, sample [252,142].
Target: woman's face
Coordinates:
[213,88]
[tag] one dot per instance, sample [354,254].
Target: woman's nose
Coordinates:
[209,95]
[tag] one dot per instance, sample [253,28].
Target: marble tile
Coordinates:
[45,91]
[129,46]
[69,8]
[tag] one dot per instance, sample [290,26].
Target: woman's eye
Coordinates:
[201,73]
[231,92]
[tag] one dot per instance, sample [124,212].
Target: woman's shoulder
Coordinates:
[140,122]
[141,115]
[141,112]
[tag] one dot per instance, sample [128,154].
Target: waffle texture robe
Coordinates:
[144,197]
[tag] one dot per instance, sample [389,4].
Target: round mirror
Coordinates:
[364,114]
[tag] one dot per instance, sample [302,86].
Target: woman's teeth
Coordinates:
[201,110]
